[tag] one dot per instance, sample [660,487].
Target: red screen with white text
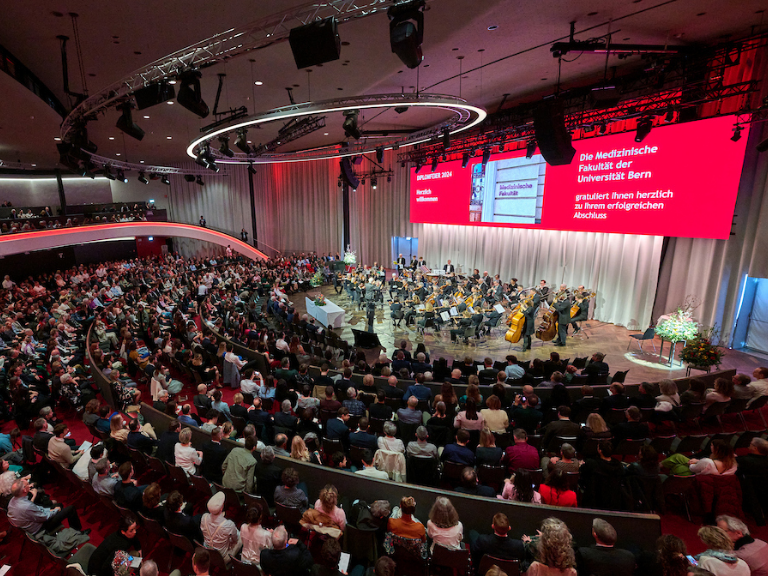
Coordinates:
[681,180]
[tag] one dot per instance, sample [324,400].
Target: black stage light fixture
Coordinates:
[762,146]
[418,167]
[199,181]
[389,178]
[434,163]
[602,129]
[350,124]
[108,173]
[552,136]
[224,148]
[190,95]
[165,180]
[644,126]
[464,159]
[86,169]
[486,155]
[242,141]
[251,169]
[530,149]
[121,176]
[406,32]
[154,94]
[315,43]
[189,178]
[670,115]
[380,154]
[348,173]
[212,164]
[339,182]
[143,178]
[446,138]
[736,133]
[374,182]
[202,158]
[126,124]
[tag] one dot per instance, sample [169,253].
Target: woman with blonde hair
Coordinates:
[443,526]
[555,551]
[299,449]
[118,429]
[406,526]
[495,418]
[719,558]
[487,452]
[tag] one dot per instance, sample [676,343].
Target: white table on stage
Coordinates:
[328,315]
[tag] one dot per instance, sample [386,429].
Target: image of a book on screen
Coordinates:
[508,191]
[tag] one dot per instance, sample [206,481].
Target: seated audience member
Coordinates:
[214,455]
[379,409]
[596,367]
[521,454]
[755,463]
[152,503]
[443,526]
[59,451]
[267,474]
[284,418]
[524,411]
[355,406]
[201,563]
[103,482]
[555,555]
[281,445]
[469,418]
[238,408]
[555,491]
[754,552]
[406,526]
[328,563]
[187,458]
[496,420]
[255,538]
[421,447]
[329,403]
[418,389]
[97,455]
[586,405]
[128,492]
[498,544]
[285,557]
[239,467]
[138,440]
[603,558]
[616,399]
[519,488]
[567,461]
[563,426]
[362,438]
[369,469]
[177,521]
[596,472]
[459,452]
[388,441]
[186,416]
[288,493]
[166,444]
[646,397]
[719,557]
[326,504]
[336,428]
[220,533]
[32,518]
[410,414]
[721,462]
[487,453]
[100,562]
[632,429]
[470,485]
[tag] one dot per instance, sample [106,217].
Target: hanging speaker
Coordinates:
[348,173]
[315,43]
[551,135]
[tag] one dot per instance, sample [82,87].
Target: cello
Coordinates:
[548,327]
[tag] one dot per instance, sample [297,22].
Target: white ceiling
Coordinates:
[112,34]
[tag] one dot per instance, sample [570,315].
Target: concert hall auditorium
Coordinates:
[384,288]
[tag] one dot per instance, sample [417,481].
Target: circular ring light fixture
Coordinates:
[464,116]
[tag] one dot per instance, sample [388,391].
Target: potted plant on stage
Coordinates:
[678,326]
[320,300]
[317,279]
[700,353]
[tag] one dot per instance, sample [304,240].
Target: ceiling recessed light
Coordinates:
[56,138]
[426,65]
[454,49]
[325,133]
[258,82]
[141,161]
[111,137]
[339,88]
[345,43]
[34,165]
[701,14]
[171,81]
[118,154]
[169,137]
[146,117]
[249,142]
[492,27]
[543,79]
[625,39]
[169,102]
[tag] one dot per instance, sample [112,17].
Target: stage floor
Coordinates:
[607,338]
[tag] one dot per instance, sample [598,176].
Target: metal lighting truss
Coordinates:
[290,133]
[221,47]
[100,161]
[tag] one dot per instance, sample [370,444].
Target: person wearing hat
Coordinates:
[220,533]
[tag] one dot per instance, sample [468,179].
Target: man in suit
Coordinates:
[286,557]
[418,389]
[400,362]
[421,262]
[498,544]
[617,400]
[361,438]
[525,413]
[284,418]
[560,427]
[563,309]
[488,373]
[139,441]
[596,367]
[379,409]
[491,320]
[391,390]
[631,429]
[214,455]
[603,558]
[237,408]
[400,262]
[166,444]
[459,452]
[470,485]
[420,366]
[755,463]
[397,311]
[337,427]
[202,400]
[267,474]
[177,521]
[448,268]
[585,405]
[261,419]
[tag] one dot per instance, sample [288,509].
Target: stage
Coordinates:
[609,339]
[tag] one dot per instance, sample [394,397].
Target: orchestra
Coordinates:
[466,305]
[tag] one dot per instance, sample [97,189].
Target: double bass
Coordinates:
[516,322]
[548,327]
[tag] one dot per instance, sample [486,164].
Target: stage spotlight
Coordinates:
[126,124]
[143,178]
[602,129]
[644,126]
[251,169]
[670,115]
[189,178]
[165,180]
[350,124]
[736,133]
[530,149]
[108,173]
[121,176]
[212,164]
[224,148]
[201,158]
[374,182]
[86,169]
[446,138]
[189,93]
[389,178]
[380,154]
[362,181]
[242,141]
[199,181]
[406,32]
[486,155]
[434,163]
[464,159]
[418,167]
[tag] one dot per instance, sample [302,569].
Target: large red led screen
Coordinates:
[681,180]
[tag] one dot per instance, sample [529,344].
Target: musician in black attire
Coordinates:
[583,312]
[397,311]
[529,313]
[563,308]
[448,268]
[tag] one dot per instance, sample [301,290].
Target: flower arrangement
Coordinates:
[679,326]
[320,300]
[317,279]
[699,351]
[350,257]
